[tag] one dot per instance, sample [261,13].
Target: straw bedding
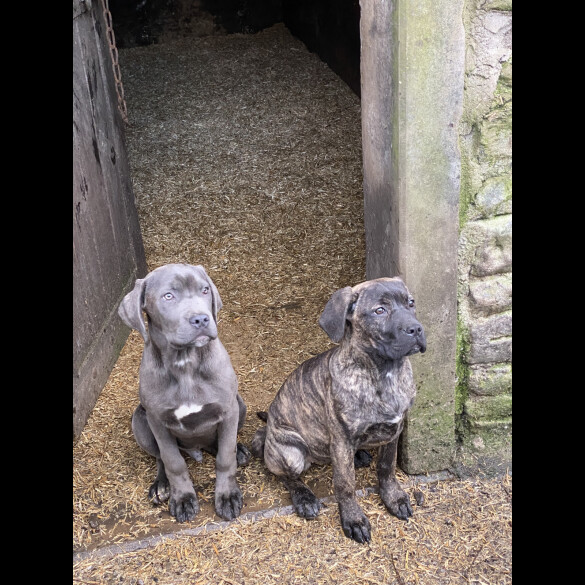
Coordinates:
[245,153]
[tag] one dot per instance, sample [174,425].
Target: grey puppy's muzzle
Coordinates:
[197,330]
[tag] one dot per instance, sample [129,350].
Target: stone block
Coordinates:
[503,5]
[491,339]
[488,409]
[496,140]
[486,448]
[491,294]
[493,254]
[494,197]
[490,380]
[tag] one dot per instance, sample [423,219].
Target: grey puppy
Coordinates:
[188,389]
[352,397]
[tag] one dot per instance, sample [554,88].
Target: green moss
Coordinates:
[462,383]
[489,408]
[469,146]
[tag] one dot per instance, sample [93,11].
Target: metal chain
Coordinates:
[115,64]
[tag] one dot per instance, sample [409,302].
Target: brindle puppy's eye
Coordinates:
[168,296]
[205,290]
[380,311]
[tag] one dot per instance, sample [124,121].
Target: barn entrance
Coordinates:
[245,155]
[303,195]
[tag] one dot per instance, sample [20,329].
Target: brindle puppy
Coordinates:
[354,396]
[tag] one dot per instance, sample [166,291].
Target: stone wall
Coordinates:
[484,357]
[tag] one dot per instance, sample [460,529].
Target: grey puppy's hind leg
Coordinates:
[243,455]
[160,490]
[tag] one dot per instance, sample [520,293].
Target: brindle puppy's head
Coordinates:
[378,315]
[181,303]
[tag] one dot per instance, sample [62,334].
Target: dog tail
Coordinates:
[257,445]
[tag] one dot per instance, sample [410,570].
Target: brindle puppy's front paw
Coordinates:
[184,508]
[159,491]
[398,505]
[305,502]
[357,529]
[229,505]
[243,455]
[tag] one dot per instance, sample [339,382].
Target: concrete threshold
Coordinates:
[253,516]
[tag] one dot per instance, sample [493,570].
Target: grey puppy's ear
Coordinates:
[216,304]
[334,315]
[130,309]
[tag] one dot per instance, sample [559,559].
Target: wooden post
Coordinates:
[412,63]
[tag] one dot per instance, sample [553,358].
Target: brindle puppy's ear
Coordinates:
[216,303]
[130,309]
[334,315]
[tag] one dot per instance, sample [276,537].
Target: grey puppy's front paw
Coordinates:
[229,505]
[184,508]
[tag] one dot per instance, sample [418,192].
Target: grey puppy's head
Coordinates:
[181,303]
[379,314]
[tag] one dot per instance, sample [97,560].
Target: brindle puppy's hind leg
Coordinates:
[286,455]
[362,458]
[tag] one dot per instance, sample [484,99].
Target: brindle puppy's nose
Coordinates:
[199,321]
[413,330]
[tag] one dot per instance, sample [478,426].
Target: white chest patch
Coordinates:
[187,409]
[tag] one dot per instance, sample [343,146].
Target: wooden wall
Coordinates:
[330,28]
[108,253]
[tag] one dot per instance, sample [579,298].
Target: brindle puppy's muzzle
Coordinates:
[406,337]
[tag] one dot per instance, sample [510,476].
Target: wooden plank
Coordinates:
[107,246]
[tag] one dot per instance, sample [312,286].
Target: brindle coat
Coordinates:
[352,397]
[189,398]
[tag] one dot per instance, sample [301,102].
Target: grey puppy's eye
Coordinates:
[168,296]
[205,290]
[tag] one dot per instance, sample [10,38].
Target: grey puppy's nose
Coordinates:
[199,321]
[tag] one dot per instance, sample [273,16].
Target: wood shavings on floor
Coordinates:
[245,153]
